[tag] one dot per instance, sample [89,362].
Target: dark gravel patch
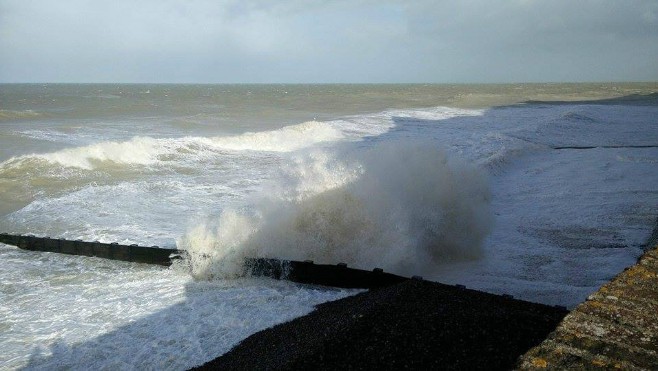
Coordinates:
[415,324]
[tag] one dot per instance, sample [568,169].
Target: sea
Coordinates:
[540,191]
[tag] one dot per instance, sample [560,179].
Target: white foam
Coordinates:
[75,312]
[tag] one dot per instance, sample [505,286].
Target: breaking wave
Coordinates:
[401,206]
[152,151]
[287,139]
[12,115]
[578,117]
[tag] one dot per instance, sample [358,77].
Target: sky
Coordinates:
[313,41]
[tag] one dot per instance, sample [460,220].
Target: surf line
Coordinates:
[307,272]
[605,147]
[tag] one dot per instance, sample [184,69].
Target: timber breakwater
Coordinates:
[114,251]
[307,272]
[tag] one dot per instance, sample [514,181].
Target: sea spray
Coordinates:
[406,207]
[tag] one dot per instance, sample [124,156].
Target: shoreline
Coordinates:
[415,324]
[422,324]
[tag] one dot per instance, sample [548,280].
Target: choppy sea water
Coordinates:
[460,184]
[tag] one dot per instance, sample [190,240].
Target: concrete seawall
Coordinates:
[615,328]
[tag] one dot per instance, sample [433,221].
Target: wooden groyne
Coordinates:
[306,272]
[113,251]
[338,275]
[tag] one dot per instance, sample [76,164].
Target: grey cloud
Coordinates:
[328,41]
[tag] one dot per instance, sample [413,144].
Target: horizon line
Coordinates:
[331,83]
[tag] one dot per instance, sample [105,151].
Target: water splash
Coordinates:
[406,207]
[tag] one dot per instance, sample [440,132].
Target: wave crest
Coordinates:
[286,139]
[12,115]
[152,151]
